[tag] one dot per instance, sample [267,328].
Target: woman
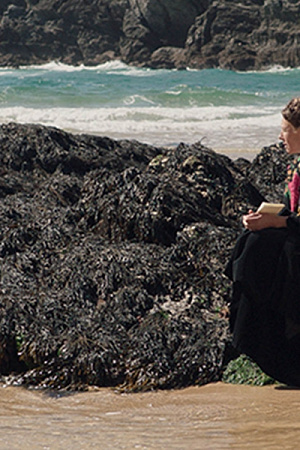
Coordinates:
[265,270]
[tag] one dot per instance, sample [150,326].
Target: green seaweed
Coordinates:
[245,371]
[19,340]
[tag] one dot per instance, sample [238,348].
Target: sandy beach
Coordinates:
[216,416]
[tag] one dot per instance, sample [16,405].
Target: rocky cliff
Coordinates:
[230,34]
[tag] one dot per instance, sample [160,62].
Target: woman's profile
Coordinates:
[265,270]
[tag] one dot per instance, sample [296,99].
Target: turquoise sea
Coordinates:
[237,113]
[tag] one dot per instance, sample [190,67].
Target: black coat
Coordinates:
[265,304]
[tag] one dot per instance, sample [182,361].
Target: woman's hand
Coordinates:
[258,221]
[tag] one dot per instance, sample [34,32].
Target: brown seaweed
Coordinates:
[112,256]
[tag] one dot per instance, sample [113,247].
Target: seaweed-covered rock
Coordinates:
[112,256]
[268,171]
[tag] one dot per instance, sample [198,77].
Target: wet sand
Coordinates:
[216,416]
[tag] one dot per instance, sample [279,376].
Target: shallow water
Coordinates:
[216,416]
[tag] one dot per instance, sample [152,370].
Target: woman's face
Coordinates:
[290,136]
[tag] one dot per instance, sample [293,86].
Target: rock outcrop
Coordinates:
[246,35]
[230,34]
[84,32]
[112,256]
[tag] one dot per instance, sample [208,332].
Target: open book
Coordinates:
[270,208]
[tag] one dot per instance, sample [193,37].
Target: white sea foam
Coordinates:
[216,127]
[57,66]
[119,66]
[108,67]
[53,66]
[277,69]
[272,69]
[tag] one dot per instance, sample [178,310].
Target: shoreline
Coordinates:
[233,151]
[215,416]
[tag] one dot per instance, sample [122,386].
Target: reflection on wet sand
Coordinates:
[216,416]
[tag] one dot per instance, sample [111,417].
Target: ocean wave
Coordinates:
[221,127]
[276,69]
[185,115]
[120,66]
[136,98]
[108,67]
[61,67]
[54,66]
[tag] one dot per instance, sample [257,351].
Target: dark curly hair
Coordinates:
[291,112]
